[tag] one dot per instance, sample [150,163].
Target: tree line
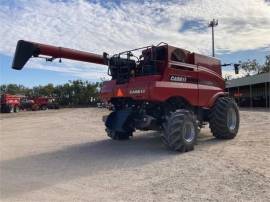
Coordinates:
[75,92]
[253,67]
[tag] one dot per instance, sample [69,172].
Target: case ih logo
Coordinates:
[178,78]
[136,91]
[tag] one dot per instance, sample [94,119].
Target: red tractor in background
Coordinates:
[10,103]
[44,103]
[39,103]
[164,88]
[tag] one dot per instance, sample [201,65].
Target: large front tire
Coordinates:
[180,131]
[224,118]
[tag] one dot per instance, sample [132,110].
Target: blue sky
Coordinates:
[97,26]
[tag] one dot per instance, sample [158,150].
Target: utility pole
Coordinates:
[213,24]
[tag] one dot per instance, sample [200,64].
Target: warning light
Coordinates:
[119,93]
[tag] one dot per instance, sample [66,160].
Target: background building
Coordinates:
[250,91]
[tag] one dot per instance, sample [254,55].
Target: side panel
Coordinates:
[210,83]
[137,88]
[107,90]
[151,89]
[163,90]
[158,91]
[180,80]
[207,62]
[206,93]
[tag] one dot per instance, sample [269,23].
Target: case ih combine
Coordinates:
[166,89]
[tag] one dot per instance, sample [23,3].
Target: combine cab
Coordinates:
[161,88]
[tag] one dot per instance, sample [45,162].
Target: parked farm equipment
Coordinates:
[10,103]
[39,103]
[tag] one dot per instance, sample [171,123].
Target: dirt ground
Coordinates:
[65,155]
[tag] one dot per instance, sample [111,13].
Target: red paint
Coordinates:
[60,52]
[8,99]
[41,101]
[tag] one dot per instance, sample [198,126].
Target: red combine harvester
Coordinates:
[44,103]
[39,103]
[10,103]
[165,88]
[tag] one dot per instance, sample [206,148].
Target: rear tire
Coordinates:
[180,131]
[118,135]
[224,118]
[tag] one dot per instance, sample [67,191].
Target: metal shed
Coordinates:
[250,91]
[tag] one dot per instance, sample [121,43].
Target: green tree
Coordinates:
[266,66]
[250,67]
[14,89]
[3,88]
[47,90]
[253,67]
[75,92]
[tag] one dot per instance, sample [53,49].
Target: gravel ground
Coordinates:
[65,155]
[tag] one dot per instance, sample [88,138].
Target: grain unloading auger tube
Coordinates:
[26,49]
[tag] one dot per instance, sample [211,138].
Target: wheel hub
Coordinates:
[189,132]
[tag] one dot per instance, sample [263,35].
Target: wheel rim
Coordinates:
[189,132]
[231,119]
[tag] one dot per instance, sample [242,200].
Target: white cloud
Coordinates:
[243,25]
[92,73]
[231,74]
